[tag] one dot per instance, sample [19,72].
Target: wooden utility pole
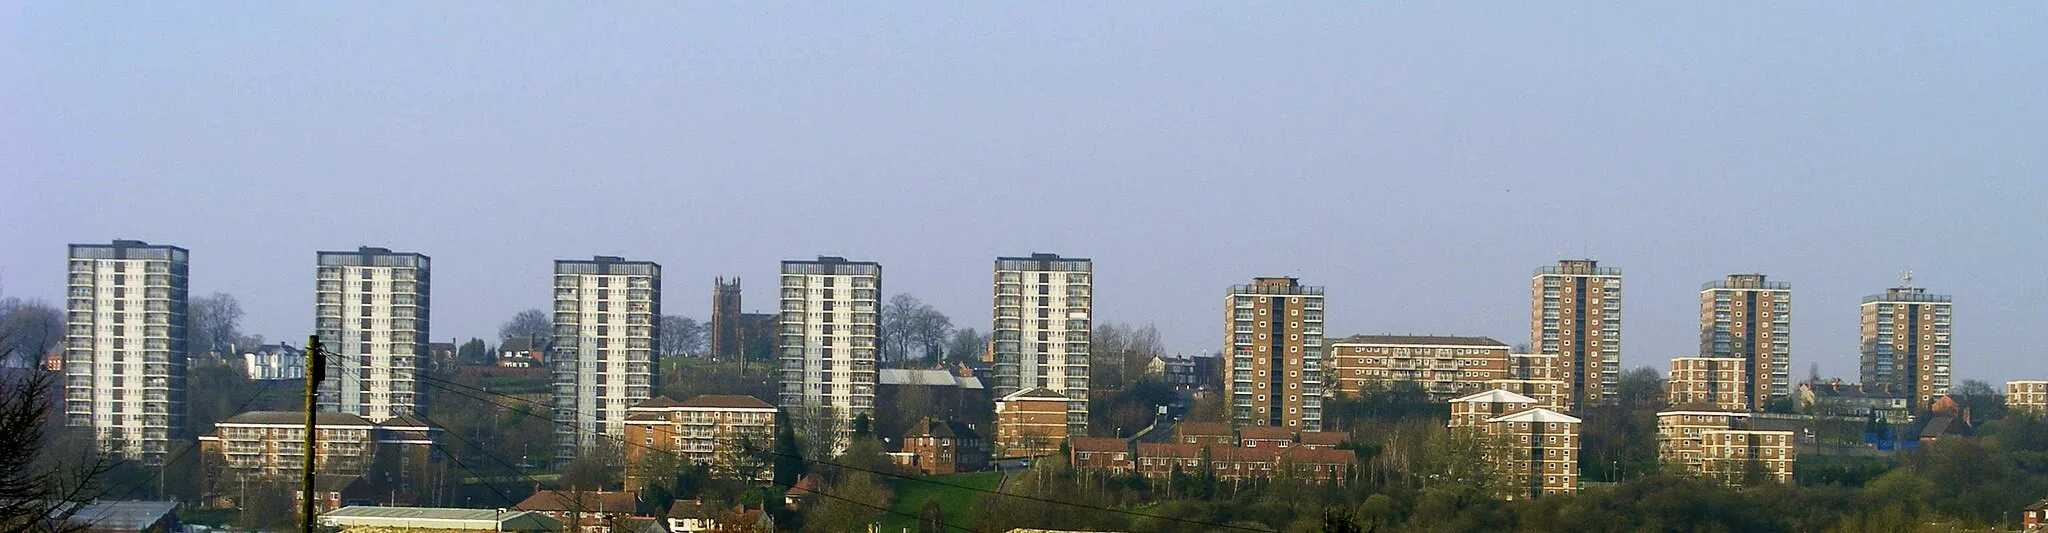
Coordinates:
[316,371]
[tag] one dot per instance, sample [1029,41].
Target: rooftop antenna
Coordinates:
[1907,277]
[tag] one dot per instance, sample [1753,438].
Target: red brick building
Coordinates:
[945,447]
[1108,454]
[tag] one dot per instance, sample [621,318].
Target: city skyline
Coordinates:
[1141,137]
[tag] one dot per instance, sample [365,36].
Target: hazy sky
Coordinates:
[1418,159]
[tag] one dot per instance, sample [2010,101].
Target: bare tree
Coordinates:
[681,335]
[29,329]
[528,323]
[1118,353]
[895,336]
[212,323]
[44,478]
[912,329]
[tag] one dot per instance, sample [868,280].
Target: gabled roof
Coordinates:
[1943,426]
[1204,429]
[1430,340]
[523,344]
[1327,438]
[944,429]
[1034,393]
[442,518]
[595,502]
[931,378]
[1494,396]
[1538,415]
[697,509]
[656,402]
[1099,444]
[1264,433]
[406,422]
[1318,455]
[298,418]
[726,401]
[1157,450]
[122,515]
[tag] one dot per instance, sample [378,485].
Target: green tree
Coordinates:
[788,456]
[932,518]
[474,352]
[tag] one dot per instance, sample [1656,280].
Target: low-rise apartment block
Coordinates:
[1541,443]
[1719,445]
[1746,457]
[2027,396]
[1226,463]
[1444,366]
[1542,459]
[1030,423]
[1711,383]
[710,429]
[397,455]
[1535,375]
[1473,410]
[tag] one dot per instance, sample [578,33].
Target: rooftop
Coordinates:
[123,515]
[944,429]
[298,419]
[1264,433]
[443,518]
[1577,267]
[939,378]
[1034,393]
[1538,415]
[1426,340]
[1494,396]
[1203,428]
[597,502]
[726,401]
[1099,444]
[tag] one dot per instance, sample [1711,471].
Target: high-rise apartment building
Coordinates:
[371,312]
[830,308]
[1906,342]
[1749,318]
[1576,316]
[1043,308]
[124,352]
[607,328]
[1274,338]
[1709,382]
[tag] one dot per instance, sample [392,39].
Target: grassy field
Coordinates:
[960,504]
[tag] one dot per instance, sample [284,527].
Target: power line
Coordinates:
[260,389]
[443,384]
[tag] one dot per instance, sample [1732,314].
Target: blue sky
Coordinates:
[1418,160]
